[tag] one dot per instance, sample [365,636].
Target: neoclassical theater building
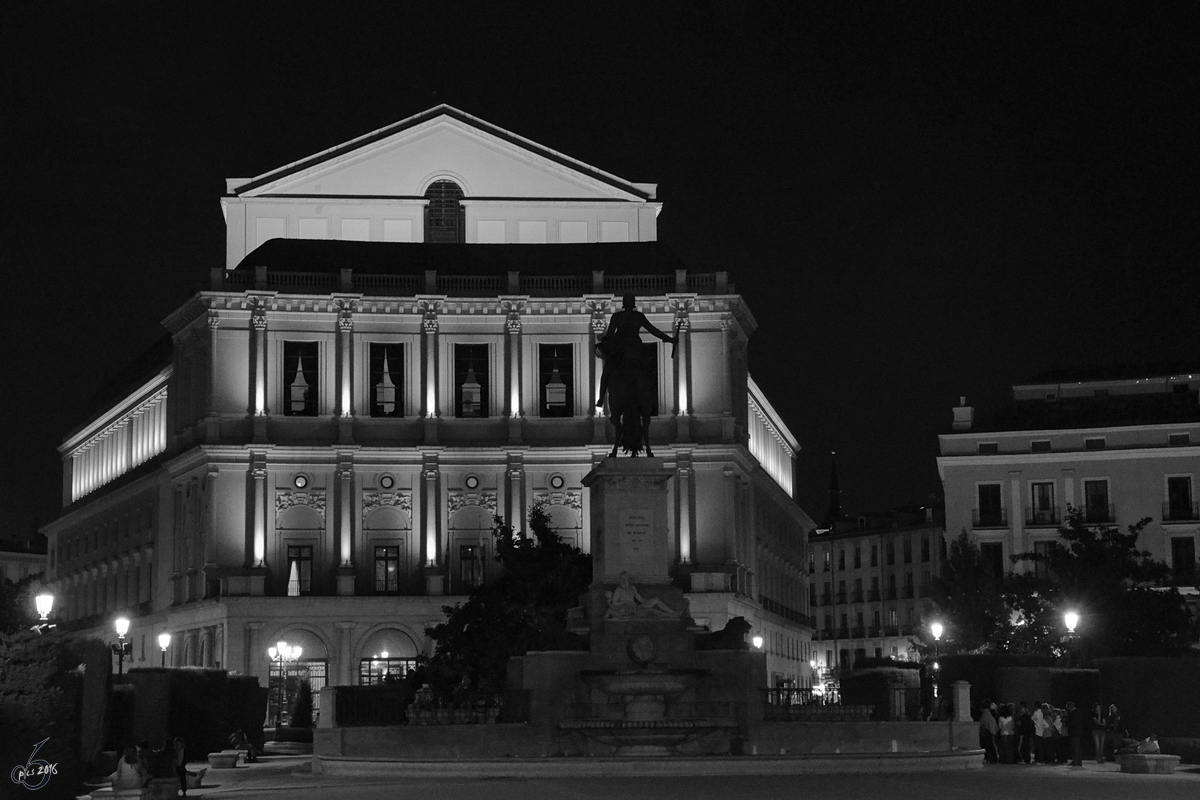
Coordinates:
[399,348]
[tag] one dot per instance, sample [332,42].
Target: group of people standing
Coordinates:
[1042,734]
[139,765]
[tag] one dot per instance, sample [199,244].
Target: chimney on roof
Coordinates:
[964,415]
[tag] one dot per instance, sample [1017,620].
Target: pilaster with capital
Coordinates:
[345,572]
[513,307]
[429,308]
[345,335]
[431,518]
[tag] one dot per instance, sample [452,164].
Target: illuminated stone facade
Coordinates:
[344,417]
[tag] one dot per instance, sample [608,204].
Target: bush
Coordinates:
[247,707]
[41,697]
[302,708]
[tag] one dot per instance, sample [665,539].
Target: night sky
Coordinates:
[918,200]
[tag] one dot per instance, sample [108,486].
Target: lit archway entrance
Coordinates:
[387,656]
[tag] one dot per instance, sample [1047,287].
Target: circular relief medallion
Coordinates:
[472,482]
[557,482]
[641,649]
[301,481]
[387,481]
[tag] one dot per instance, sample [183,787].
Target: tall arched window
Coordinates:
[445,221]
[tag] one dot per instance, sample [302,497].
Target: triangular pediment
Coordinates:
[403,159]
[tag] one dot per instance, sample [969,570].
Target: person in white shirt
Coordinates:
[1041,732]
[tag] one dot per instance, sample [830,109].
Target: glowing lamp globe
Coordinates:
[122,626]
[44,602]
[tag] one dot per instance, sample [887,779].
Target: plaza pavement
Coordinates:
[278,777]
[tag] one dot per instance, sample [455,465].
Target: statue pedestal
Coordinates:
[629,520]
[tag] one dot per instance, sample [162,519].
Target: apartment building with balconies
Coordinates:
[1118,445]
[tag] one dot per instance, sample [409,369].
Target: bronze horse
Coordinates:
[630,378]
[632,391]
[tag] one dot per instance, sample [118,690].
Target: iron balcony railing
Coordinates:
[1100,513]
[1038,517]
[1180,511]
[989,518]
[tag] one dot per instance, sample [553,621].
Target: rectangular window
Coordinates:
[858,593]
[1040,445]
[387,569]
[387,380]
[1043,549]
[826,561]
[924,549]
[874,589]
[1041,504]
[990,511]
[891,587]
[891,553]
[812,594]
[812,565]
[471,380]
[1183,557]
[1179,498]
[829,622]
[1096,443]
[857,557]
[907,549]
[874,555]
[557,387]
[875,622]
[470,560]
[300,381]
[842,558]
[1095,501]
[991,554]
[300,561]
[841,596]
[989,448]
[1179,439]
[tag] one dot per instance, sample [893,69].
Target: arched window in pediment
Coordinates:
[445,221]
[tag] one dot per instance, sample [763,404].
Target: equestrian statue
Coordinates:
[629,380]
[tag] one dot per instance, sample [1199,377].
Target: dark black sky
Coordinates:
[919,200]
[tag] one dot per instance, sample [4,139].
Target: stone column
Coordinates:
[345,571]
[211,429]
[683,366]
[435,577]
[257,581]
[345,669]
[513,405]
[345,397]
[515,495]
[728,337]
[430,402]
[258,380]
[597,306]
[255,654]
[686,511]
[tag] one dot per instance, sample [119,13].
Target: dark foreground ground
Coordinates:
[290,777]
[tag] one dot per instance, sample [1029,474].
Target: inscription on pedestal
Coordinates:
[636,527]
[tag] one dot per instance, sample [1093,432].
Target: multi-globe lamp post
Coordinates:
[121,648]
[281,652]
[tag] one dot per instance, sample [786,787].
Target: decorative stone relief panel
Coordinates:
[286,499]
[459,500]
[572,500]
[373,500]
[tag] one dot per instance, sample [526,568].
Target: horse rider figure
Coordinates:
[625,380]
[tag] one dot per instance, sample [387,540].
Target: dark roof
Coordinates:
[1113,372]
[1089,412]
[405,258]
[151,362]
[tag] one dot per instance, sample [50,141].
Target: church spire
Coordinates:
[835,494]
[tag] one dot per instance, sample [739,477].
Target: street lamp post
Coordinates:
[281,652]
[121,648]
[1071,618]
[936,629]
[164,641]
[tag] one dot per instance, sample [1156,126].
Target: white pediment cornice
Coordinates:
[403,159]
